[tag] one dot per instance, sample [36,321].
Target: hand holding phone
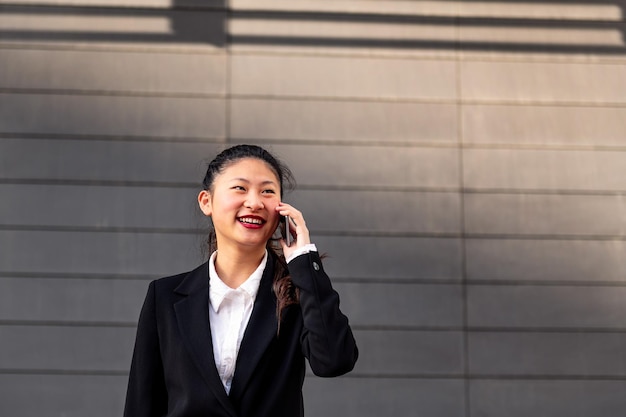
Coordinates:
[294,232]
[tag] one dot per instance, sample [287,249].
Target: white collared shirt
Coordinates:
[229,313]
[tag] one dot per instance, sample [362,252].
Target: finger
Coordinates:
[293,221]
[294,214]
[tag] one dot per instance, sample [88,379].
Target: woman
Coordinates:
[230,338]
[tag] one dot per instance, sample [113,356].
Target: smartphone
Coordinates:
[285,230]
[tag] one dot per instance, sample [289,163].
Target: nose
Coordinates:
[254,202]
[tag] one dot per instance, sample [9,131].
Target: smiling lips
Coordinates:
[252,222]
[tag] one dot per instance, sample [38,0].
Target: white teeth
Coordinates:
[250,220]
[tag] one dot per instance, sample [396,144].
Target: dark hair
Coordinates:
[284,289]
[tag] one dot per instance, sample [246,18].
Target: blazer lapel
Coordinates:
[259,333]
[192,315]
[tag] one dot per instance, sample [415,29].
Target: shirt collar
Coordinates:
[218,290]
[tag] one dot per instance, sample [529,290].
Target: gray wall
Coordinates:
[463,163]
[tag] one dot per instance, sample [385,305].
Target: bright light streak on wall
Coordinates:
[69,23]
[597,10]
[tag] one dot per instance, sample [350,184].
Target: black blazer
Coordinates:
[173,371]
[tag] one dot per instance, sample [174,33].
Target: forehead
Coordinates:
[251,169]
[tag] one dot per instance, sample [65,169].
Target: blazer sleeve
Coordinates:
[146,395]
[327,340]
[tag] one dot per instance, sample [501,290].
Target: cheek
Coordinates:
[230,201]
[270,206]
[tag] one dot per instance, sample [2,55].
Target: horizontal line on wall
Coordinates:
[401,19]
[480,377]
[430,53]
[488,329]
[144,277]
[77,275]
[542,103]
[544,147]
[110,138]
[318,142]
[335,279]
[436,101]
[99,9]
[325,99]
[478,282]
[398,281]
[323,16]
[432,143]
[374,375]
[133,324]
[385,143]
[431,100]
[97,324]
[351,375]
[395,44]
[198,49]
[551,330]
[225,141]
[548,377]
[326,233]
[98,183]
[154,230]
[545,237]
[472,190]
[475,236]
[68,372]
[102,229]
[113,93]
[542,283]
[426,144]
[403,328]
[355,327]
[553,192]
[385,234]
[419,55]
[315,187]
[211,49]
[543,58]
[73,35]
[66,323]
[198,185]
[443,55]
[376,188]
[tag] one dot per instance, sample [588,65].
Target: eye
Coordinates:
[269,191]
[238,188]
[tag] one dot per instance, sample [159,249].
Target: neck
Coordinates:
[234,267]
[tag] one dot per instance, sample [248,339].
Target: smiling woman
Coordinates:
[258,305]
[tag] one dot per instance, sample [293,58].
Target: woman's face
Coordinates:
[243,203]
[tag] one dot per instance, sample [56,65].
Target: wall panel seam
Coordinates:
[122,48]
[449,55]
[390,144]
[322,232]
[78,92]
[356,327]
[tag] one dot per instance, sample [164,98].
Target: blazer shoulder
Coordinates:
[183,282]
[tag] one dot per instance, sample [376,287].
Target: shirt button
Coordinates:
[316,266]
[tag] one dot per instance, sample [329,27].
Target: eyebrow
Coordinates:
[248,181]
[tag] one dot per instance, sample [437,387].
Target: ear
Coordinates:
[204,201]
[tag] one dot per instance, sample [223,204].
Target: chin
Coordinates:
[254,241]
